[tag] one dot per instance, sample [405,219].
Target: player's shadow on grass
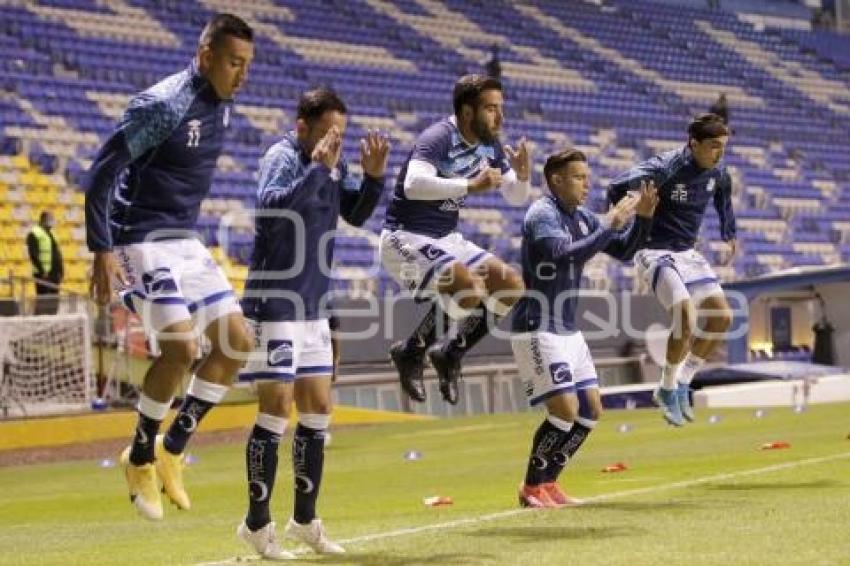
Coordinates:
[754,486]
[536,533]
[641,506]
[387,559]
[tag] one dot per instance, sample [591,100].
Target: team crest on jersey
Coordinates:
[280,353]
[225,119]
[710,186]
[194,133]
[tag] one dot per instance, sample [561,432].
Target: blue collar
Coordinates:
[292,138]
[561,206]
[200,82]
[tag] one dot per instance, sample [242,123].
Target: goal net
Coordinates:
[46,365]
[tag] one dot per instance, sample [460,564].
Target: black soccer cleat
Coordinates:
[448,373]
[410,368]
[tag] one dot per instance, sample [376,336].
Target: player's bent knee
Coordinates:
[591,412]
[722,320]
[565,413]
[564,407]
[179,352]
[274,401]
[514,282]
[241,340]
[468,294]
[469,299]
[683,321]
[590,404]
[321,408]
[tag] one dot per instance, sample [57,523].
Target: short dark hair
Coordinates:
[469,87]
[707,126]
[557,160]
[316,102]
[223,25]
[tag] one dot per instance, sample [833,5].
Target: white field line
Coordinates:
[595,499]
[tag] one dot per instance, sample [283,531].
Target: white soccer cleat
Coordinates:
[314,536]
[264,542]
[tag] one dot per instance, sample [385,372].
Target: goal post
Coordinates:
[45,364]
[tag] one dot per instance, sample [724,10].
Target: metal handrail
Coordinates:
[32,279]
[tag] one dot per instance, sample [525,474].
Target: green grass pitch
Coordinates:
[705,494]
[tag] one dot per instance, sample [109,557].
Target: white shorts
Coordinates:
[284,351]
[174,280]
[552,364]
[416,261]
[677,276]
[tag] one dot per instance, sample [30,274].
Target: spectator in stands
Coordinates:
[47,268]
[559,236]
[681,278]
[494,65]
[721,108]
[303,175]
[421,247]
[143,196]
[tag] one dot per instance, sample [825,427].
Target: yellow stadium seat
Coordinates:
[21,161]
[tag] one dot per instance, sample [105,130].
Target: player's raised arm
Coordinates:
[625,244]
[516,184]
[280,188]
[357,204]
[652,169]
[422,180]
[557,245]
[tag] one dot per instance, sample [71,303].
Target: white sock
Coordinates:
[271,423]
[689,367]
[207,391]
[153,409]
[558,423]
[668,375]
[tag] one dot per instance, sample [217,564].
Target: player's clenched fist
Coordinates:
[488,178]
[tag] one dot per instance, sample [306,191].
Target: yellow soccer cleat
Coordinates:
[143,486]
[169,467]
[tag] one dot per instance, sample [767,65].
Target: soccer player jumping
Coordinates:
[679,276]
[143,195]
[421,247]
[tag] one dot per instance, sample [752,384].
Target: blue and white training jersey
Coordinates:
[684,190]
[442,146]
[556,244]
[293,251]
[157,166]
